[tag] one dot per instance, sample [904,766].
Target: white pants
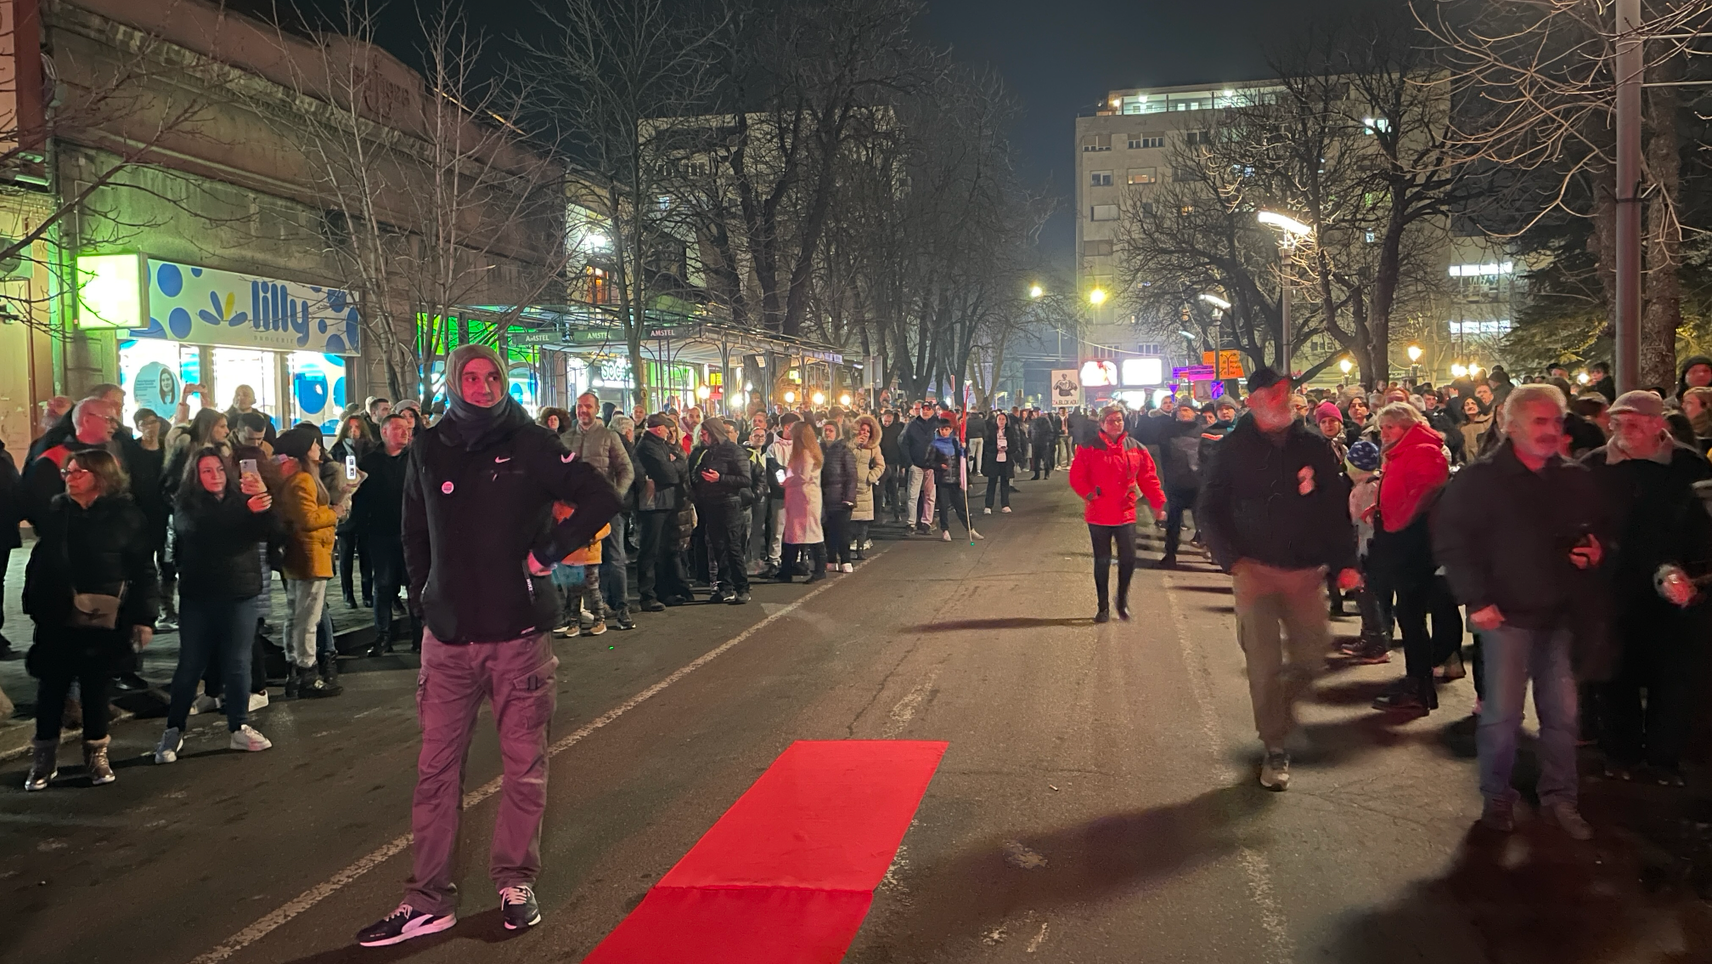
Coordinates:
[304,599]
[917,476]
[975,446]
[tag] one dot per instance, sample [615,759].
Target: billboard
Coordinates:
[1066,388]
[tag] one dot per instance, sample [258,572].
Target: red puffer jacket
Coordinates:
[1108,474]
[1414,468]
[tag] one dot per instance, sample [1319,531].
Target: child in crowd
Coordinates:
[948,468]
[577,577]
[1373,600]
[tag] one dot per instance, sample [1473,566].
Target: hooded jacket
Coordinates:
[1282,502]
[1111,476]
[837,474]
[870,469]
[1415,468]
[724,494]
[663,465]
[476,509]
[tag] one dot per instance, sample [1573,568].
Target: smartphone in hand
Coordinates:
[351,468]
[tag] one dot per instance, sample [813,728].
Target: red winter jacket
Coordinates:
[1107,474]
[1414,468]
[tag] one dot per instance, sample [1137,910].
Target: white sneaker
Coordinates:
[975,535]
[204,704]
[846,567]
[945,535]
[172,741]
[987,511]
[1006,510]
[258,700]
[247,738]
[867,544]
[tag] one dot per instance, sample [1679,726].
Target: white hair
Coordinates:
[1535,393]
[78,410]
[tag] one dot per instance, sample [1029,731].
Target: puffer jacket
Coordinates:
[990,464]
[870,469]
[1414,469]
[838,474]
[603,450]
[216,545]
[1111,476]
[890,448]
[724,494]
[917,442]
[97,550]
[309,547]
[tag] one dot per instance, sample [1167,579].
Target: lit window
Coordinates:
[1144,175]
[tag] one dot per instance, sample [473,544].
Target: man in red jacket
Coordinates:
[1111,475]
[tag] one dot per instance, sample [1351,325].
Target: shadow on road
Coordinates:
[1220,590]
[1530,898]
[471,932]
[1011,622]
[960,897]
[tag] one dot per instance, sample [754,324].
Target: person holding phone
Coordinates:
[304,502]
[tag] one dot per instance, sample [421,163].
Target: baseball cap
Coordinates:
[1263,378]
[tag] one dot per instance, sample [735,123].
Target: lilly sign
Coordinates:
[207,306]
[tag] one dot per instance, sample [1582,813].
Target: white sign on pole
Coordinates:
[1066,389]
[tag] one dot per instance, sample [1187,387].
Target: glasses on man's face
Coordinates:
[72,470]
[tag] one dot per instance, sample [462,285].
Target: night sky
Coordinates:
[1057,58]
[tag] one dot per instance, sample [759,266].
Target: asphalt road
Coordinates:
[1097,802]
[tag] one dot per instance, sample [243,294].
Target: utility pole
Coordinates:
[1629,69]
[1284,309]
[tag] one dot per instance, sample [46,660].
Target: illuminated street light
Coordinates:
[790,398]
[844,399]
[1035,291]
[1345,365]
[1582,378]
[1284,222]
[1414,354]
[1097,297]
[819,399]
[1459,370]
[1215,301]
[1474,368]
[702,392]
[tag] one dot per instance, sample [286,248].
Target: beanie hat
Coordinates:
[1364,455]
[1327,410]
[296,443]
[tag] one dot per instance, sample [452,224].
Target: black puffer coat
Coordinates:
[98,549]
[991,467]
[724,494]
[218,545]
[663,464]
[838,474]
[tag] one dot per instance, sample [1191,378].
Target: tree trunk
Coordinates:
[1661,314]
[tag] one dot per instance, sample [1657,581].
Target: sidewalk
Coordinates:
[159,659]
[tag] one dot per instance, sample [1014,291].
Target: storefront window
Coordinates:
[317,389]
[257,369]
[525,387]
[153,374]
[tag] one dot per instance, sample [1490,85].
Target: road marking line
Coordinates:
[1255,866]
[398,845]
[905,710]
[1034,944]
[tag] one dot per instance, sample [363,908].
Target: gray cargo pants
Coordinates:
[1267,598]
[518,677]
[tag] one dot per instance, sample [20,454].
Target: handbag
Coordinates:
[95,610]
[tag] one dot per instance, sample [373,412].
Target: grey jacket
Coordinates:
[601,448]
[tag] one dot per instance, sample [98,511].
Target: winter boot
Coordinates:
[44,764]
[311,684]
[95,761]
[327,665]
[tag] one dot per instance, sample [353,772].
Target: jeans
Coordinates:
[518,677]
[659,569]
[1266,598]
[1177,501]
[305,601]
[1513,656]
[1103,538]
[211,630]
[951,502]
[387,558]
[1002,483]
[726,526]
[836,523]
[775,519]
[921,487]
[613,559]
[975,445]
[894,480]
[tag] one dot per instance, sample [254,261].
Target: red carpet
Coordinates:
[786,875]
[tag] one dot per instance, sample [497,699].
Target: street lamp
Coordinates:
[1215,301]
[1035,291]
[1289,231]
[790,398]
[819,399]
[1345,365]
[1097,297]
[703,392]
[844,399]
[1459,370]
[1414,360]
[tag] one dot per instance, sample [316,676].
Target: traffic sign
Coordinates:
[1194,373]
[1230,363]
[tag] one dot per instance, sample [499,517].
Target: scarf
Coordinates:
[473,426]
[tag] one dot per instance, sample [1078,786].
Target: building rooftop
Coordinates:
[1156,100]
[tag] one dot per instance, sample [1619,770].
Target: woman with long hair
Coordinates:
[870,470]
[802,529]
[356,439]
[221,523]
[90,587]
[304,503]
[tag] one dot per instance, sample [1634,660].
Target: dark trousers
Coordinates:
[1417,600]
[950,499]
[893,484]
[835,523]
[213,631]
[659,566]
[1177,500]
[790,552]
[351,547]
[613,561]
[859,533]
[726,528]
[1660,654]
[1373,601]
[82,656]
[387,558]
[1040,459]
[1104,537]
[1001,483]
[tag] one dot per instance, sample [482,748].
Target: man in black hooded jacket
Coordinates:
[479,542]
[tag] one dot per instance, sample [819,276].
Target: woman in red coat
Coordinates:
[1111,474]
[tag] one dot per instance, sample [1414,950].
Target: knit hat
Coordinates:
[461,356]
[1364,455]
[1327,410]
[296,443]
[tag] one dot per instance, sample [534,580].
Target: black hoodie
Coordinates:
[474,510]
